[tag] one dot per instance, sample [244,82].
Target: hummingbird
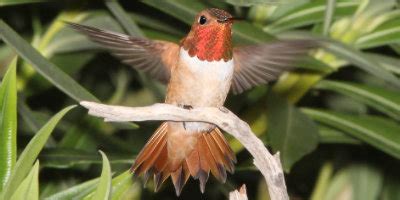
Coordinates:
[200,71]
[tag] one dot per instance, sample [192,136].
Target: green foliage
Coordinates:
[103,190]
[348,92]
[287,125]
[8,123]
[29,188]
[30,153]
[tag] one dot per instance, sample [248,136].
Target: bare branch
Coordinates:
[269,165]
[240,194]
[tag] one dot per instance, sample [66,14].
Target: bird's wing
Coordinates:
[259,64]
[153,57]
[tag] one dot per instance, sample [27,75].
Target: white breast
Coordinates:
[209,85]
[215,70]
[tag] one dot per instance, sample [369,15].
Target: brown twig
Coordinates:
[268,164]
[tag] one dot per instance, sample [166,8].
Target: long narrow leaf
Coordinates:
[186,11]
[29,188]
[16,2]
[103,190]
[360,60]
[381,99]
[8,124]
[30,153]
[379,132]
[59,78]
[123,18]
[329,12]
[75,192]
[309,13]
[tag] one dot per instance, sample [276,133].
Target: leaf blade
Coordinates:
[384,100]
[103,190]
[286,127]
[8,124]
[29,188]
[48,70]
[31,151]
[382,133]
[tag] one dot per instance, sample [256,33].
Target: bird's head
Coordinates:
[210,35]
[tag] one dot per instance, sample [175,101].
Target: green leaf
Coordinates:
[325,175]
[185,11]
[309,13]
[67,40]
[29,188]
[390,188]
[334,136]
[388,33]
[66,158]
[387,62]
[361,61]
[76,192]
[329,13]
[123,18]
[182,9]
[121,184]
[53,74]
[382,99]
[103,190]
[290,132]
[15,2]
[30,153]
[8,123]
[379,132]
[358,182]
[256,2]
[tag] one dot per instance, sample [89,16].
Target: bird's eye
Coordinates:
[202,20]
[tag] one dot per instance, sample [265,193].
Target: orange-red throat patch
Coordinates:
[211,43]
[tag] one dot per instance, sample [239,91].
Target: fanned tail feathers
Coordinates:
[211,152]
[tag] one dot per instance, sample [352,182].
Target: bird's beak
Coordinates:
[230,19]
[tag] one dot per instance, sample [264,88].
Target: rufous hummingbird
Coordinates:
[200,71]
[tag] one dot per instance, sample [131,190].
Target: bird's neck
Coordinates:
[211,44]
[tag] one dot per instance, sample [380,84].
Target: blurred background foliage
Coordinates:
[335,119]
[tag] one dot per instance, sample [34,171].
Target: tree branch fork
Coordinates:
[268,164]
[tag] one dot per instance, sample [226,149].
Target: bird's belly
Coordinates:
[199,84]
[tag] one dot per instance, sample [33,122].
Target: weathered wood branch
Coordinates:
[268,164]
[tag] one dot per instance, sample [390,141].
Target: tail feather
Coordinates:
[149,148]
[210,152]
[193,163]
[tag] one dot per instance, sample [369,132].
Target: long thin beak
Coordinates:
[230,19]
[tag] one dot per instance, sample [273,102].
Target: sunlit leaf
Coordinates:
[357,182]
[387,34]
[309,13]
[103,190]
[16,2]
[8,123]
[30,153]
[29,188]
[362,61]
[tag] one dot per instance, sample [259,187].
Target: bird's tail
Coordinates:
[186,155]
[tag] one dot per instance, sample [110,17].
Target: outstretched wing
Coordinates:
[259,64]
[153,57]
